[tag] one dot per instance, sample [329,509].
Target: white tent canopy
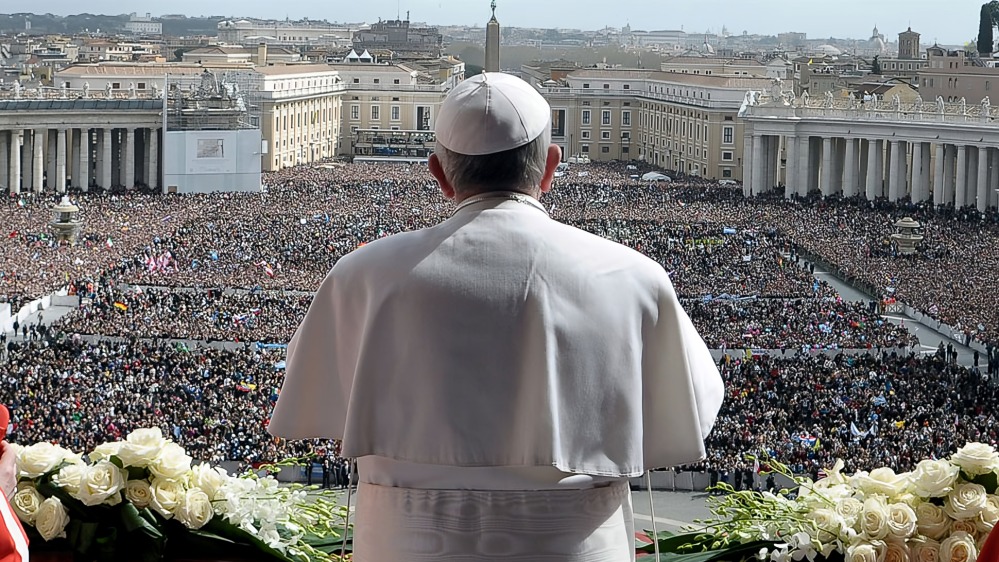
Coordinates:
[656,176]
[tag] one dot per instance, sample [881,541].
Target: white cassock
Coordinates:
[499,376]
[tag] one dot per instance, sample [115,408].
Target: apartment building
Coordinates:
[683,122]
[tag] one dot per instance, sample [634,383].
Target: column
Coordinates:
[73,156]
[824,187]
[106,158]
[772,160]
[961,186]
[27,153]
[154,159]
[994,178]
[60,175]
[803,169]
[893,172]
[748,147]
[838,166]
[982,200]
[917,172]
[791,169]
[4,154]
[873,182]
[938,176]
[758,165]
[145,134]
[83,179]
[128,157]
[15,161]
[850,168]
[51,158]
[38,160]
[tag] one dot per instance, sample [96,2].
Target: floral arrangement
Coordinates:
[143,498]
[940,512]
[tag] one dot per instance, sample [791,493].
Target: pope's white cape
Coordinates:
[501,337]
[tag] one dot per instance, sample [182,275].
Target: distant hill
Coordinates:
[80,23]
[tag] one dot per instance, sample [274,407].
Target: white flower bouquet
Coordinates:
[940,512]
[142,498]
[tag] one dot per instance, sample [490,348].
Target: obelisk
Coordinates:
[493,42]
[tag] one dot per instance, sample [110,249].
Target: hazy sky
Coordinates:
[950,22]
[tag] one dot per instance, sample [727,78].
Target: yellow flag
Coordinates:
[809,61]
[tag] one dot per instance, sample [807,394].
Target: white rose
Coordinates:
[69,477]
[959,547]
[976,458]
[932,522]
[864,551]
[139,493]
[964,526]
[934,479]
[989,516]
[40,458]
[51,519]
[834,476]
[829,523]
[167,495]
[209,479]
[896,551]
[850,509]
[966,501]
[26,502]
[105,451]
[901,521]
[101,483]
[925,550]
[195,509]
[874,518]
[141,447]
[881,481]
[172,463]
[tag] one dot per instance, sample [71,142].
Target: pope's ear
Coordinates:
[551,165]
[437,171]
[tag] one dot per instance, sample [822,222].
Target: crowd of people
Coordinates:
[871,410]
[241,267]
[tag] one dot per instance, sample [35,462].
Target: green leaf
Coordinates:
[670,542]
[116,461]
[225,529]
[136,473]
[732,553]
[989,480]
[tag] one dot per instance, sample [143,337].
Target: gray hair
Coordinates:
[518,169]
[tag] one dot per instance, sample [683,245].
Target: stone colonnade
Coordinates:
[52,159]
[963,175]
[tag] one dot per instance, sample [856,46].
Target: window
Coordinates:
[142,86]
[395,112]
[605,135]
[605,117]
[353,128]
[727,173]
[585,134]
[377,81]
[116,85]
[625,135]
[394,128]
[727,156]
[607,86]
[728,135]
[586,117]
[375,113]
[624,149]
[627,86]
[395,81]
[586,103]
[584,148]
[604,149]
[395,99]
[586,86]
[357,80]
[625,118]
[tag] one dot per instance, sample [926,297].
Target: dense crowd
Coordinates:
[240,267]
[888,409]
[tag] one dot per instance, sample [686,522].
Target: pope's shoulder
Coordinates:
[558,240]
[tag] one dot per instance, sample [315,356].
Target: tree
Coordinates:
[876,65]
[986,20]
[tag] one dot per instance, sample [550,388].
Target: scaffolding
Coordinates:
[216,104]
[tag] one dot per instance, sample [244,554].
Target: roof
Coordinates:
[128,70]
[218,50]
[282,69]
[347,67]
[80,104]
[711,60]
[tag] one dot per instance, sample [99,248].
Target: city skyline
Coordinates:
[847,19]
